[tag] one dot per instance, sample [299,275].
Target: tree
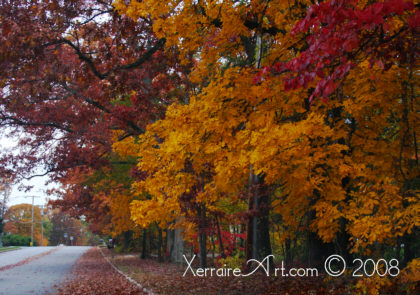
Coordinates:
[84,78]
[82,73]
[19,221]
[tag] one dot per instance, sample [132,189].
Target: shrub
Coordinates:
[17,240]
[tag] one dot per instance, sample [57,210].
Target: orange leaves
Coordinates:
[351,160]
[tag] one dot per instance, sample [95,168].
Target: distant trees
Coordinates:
[19,222]
[63,227]
[55,225]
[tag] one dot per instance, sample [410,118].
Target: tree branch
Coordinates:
[96,104]
[158,45]
[15,121]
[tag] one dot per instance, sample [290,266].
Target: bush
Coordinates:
[17,240]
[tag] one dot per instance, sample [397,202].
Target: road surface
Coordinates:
[14,256]
[39,274]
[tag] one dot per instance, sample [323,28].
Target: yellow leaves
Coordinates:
[372,285]
[326,223]
[126,147]
[145,212]
[342,159]
[411,274]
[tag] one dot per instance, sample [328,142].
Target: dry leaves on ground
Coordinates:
[92,274]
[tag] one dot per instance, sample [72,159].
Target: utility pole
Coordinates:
[6,187]
[42,225]
[6,192]
[32,225]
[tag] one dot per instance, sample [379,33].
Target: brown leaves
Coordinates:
[92,274]
[168,279]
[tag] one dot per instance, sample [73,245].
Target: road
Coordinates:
[43,268]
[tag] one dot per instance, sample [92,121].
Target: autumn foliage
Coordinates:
[255,127]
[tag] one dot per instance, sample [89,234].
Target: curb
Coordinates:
[126,276]
[8,250]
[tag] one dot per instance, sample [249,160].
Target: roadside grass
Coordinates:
[5,249]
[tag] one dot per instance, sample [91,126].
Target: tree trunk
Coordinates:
[258,226]
[263,224]
[219,237]
[165,247]
[213,250]
[250,229]
[342,241]
[151,242]
[144,244]
[160,242]
[202,238]
[318,251]
[171,244]
[127,239]
[409,241]
[287,254]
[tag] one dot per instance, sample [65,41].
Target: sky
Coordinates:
[38,183]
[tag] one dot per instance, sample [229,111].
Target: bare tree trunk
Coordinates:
[144,244]
[160,242]
[263,224]
[165,246]
[318,251]
[287,254]
[202,236]
[127,239]
[250,229]
[171,244]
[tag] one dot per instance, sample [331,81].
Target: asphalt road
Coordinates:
[12,257]
[38,275]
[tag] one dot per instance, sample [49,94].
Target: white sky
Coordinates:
[39,188]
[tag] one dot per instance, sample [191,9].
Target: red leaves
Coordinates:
[92,274]
[414,22]
[338,31]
